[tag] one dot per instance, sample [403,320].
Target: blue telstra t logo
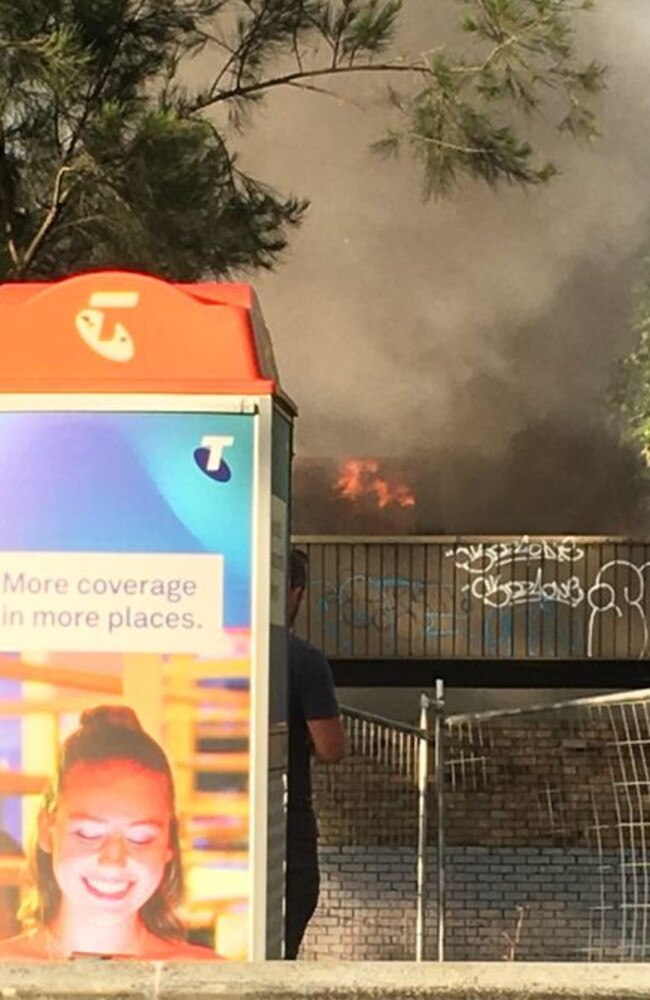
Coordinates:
[209,457]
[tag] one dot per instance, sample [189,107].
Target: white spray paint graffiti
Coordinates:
[480,558]
[605,596]
[498,593]
[540,597]
[619,587]
[483,562]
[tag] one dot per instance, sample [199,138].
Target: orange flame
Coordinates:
[360,477]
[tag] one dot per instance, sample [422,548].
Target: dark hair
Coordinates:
[298,566]
[110,733]
[9,894]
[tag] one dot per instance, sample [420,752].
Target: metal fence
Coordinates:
[504,835]
[509,598]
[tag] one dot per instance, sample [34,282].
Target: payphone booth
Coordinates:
[145,452]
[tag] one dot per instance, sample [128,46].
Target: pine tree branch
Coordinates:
[222,72]
[490,58]
[489,20]
[59,198]
[297,76]
[314,89]
[294,78]
[7,200]
[248,42]
[443,144]
[11,245]
[98,86]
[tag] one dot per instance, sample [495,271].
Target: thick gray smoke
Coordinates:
[470,340]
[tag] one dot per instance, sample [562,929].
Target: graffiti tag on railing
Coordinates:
[485,558]
[514,598]
[625,600]
[389,604]
[498,593]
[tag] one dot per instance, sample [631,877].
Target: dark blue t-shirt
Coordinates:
[311,696]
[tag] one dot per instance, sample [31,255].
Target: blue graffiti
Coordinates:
[431,617]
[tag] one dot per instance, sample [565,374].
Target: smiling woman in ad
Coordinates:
[105,861]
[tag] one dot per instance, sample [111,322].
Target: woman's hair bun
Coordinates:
[110,716]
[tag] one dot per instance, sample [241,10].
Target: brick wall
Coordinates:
[533,904]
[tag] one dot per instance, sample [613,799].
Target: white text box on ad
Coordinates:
[111,602]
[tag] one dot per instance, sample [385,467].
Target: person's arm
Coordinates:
[319,704]
[328,737]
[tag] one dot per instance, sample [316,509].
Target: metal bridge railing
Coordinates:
[508,598]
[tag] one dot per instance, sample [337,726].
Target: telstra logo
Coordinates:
[209,457]
[115,342]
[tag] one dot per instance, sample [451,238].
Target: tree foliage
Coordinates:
[107,158]
[630,393]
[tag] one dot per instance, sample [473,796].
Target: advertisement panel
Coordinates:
[126,578]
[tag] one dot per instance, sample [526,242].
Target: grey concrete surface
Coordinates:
[324,981]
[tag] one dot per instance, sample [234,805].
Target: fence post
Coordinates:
[439,764]
[423,811]
[421,870]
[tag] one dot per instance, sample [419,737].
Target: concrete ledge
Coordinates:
[323,981]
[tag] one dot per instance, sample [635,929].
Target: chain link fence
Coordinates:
[505,835]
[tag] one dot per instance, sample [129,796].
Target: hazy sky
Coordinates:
[475,333]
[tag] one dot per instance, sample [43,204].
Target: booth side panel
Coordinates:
[278,685]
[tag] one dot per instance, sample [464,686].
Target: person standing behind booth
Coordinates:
[314,727]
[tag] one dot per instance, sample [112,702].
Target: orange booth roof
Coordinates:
[122,331]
